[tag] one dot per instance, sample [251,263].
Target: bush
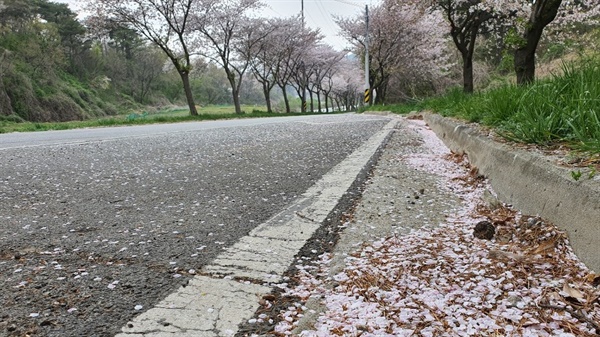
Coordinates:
[62,108]
[11,119]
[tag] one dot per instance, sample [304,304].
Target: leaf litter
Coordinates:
[526,281]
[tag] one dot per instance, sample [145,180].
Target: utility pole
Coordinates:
[302,11]
[367,84]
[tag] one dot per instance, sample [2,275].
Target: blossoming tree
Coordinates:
[525,21]
[529,19]
[403,38]
[165,23]
[228,34]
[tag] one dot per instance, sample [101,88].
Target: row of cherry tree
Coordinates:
[409,43]
[278,52]
[408,38]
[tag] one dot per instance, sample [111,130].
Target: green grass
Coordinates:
[210,110]
[562,109]
[174,115]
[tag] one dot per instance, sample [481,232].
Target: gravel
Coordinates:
[94,233]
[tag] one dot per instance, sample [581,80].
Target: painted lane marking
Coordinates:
[214,304]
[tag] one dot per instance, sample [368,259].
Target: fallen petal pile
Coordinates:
[526,281]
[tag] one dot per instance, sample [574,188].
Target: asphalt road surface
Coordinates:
[97,224]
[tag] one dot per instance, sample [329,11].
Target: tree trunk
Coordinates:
[236,101]
[286,100]
[525,65]
[5,102]
[319,101]
[235,91]
[381,91]
[267,94]
[542,13]
[468,85]
[464,35]
[185,78]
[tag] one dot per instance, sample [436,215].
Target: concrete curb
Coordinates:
[533,184]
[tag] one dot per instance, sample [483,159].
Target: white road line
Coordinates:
[215,305]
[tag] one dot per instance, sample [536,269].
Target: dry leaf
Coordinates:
[572,292]
[593,278]
[545,246]
[554,296]
[498,254]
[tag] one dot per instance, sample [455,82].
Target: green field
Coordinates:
[210,110]
[170,115]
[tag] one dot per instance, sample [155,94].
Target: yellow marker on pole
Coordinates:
[367,96]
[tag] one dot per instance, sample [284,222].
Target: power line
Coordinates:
[329,21]
[352,3]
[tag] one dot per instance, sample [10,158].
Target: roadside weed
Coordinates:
[562,109]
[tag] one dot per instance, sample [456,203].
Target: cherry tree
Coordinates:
[165,23]
[326,59]
[529,19]
[265,60]
[466,18]
[342,78]
[525,20]
[402,35]
[291,68]
[347,84]
[228,35]
[303,63]
[301,72]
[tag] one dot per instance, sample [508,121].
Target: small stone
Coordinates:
[534,222]
[269,297]
[515,302]
[484,230]
[491,200]
[46,322]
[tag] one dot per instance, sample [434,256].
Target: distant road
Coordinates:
[61,137]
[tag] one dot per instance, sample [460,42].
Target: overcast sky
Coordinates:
[317,13]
